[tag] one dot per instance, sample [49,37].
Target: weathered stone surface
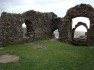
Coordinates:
[38,26]
[11,27]
[42,25]
[0,33]
[82,10]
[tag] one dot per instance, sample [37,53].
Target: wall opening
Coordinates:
[28,30]
[80,19]
[24,27]
[56,34]
[80,26]
[80,35]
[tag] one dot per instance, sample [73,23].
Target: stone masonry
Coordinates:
[42,25]
[38,26]
[82,10]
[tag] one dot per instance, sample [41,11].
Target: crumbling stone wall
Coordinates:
[82,10]
[41,23]
[11,27]
[65,30]
[0,33]
[38,24]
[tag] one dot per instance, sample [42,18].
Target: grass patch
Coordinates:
[49,55]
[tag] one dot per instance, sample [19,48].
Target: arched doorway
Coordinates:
[24,27]
[78,34]
[81,10]
[56,34]
[79,37]
[55,27]
[28,30]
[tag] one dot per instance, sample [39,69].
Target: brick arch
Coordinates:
[81,10]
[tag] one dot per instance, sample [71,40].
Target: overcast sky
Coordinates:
[59,7]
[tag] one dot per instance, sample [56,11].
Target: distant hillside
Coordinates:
[80,33]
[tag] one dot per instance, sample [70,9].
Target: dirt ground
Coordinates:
[8,58]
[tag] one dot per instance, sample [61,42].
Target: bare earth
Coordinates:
[8,58]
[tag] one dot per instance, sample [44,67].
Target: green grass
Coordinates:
[56,56]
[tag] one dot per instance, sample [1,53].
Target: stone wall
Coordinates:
[38,26]
[41,23]
[81,10]
[0,33]
[11,29]
[64,31]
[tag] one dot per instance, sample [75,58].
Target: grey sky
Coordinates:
[57,6]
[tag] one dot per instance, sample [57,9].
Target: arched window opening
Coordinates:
[80,19]
[28,30]
[80,26]
[24,27]
[56,34]
[80,33]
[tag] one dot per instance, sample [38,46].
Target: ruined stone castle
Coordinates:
[42,25]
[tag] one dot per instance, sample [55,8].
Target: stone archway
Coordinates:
[76,26]
[55,34]
[82,10]
[79,40]
[29,29]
